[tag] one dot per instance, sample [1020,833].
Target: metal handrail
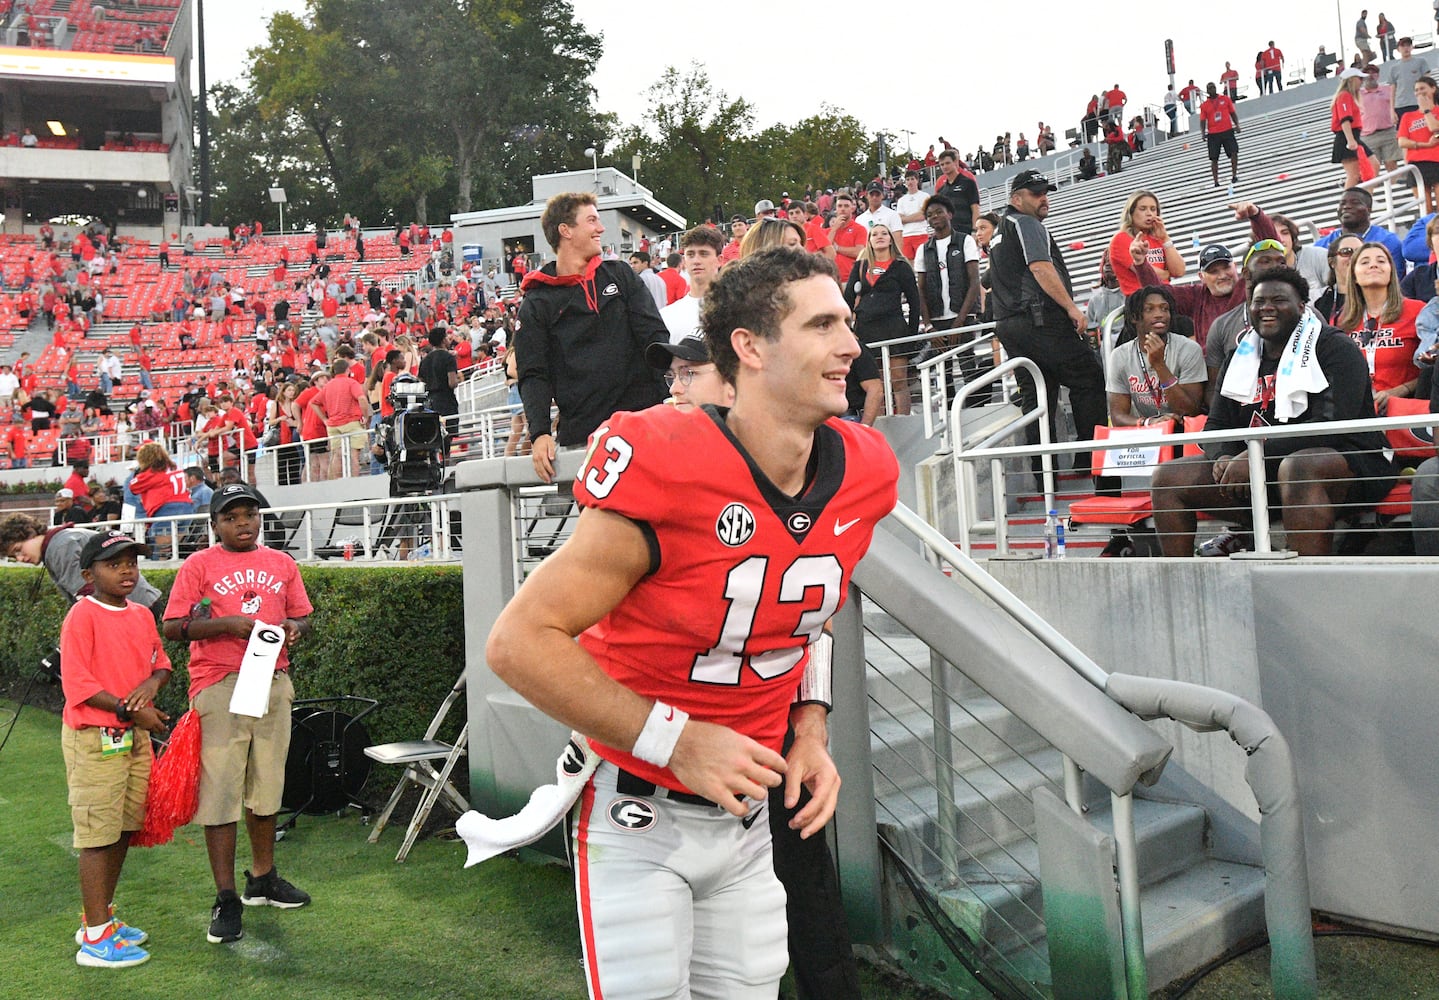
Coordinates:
[1386,181]
[1252,437]
[439,505]
[963,477]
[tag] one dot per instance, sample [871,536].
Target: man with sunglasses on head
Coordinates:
[1219,290]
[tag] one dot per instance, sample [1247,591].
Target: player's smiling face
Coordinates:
[807,363]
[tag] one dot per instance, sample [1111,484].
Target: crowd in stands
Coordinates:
[208,369]
[92,25]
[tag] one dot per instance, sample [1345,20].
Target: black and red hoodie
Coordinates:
[581,343]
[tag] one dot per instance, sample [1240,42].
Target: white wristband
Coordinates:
[657,739]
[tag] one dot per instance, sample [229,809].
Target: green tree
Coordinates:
[416,99]
[250,152]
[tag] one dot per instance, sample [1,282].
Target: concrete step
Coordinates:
[984,732]
[997,895]
[994,805]
[1198,915]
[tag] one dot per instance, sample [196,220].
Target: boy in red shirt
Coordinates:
[112,666]
[242,759]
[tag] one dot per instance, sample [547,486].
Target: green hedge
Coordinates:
[396,634]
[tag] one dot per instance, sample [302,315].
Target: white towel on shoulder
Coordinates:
[485,837]
[1298,376]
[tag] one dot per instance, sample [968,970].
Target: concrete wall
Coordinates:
[1334,650]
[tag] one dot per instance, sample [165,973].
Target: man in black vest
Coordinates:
[1035,314]
[947,267]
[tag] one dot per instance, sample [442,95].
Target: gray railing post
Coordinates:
[856,849]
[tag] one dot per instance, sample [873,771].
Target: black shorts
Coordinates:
[1222,142]
[320,447]
[1342,152]
[1428,169]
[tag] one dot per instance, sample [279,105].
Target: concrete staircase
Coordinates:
[985,875]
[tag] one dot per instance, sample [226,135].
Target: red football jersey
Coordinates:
[744,577]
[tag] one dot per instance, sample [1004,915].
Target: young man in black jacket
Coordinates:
[584,327]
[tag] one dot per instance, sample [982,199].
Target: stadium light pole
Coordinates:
[204,117]
[1339,17]
[594,156]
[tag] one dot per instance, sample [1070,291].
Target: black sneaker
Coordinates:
[225,919]
[271,890]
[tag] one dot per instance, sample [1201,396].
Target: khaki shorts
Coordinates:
[1384,145]
[107,794]
[354,430]
[242,760]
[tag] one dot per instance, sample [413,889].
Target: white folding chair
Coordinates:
[419,757]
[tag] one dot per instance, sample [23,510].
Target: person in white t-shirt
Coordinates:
[910,206]
[701,247]
[640,261]
[878,211]
[947,266]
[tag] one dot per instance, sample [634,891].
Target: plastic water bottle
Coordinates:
[200,610]
[1051,535]
[1059,538]
[1196,241]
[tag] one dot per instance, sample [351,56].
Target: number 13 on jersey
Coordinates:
[744,586]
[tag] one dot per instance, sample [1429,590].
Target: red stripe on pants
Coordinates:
[582,881]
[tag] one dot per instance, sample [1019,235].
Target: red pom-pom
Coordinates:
[1077,245]
[1282,177]
[174,785]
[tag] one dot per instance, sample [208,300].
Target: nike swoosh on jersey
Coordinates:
[748,821]
[840,527]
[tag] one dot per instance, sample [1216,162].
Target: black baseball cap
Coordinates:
[1033,180]
[691,349]
[1213,254]
[106,545]
[235,493]
[876,188]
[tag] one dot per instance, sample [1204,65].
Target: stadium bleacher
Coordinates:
[139,291]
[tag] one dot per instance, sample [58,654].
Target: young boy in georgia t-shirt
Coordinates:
[242,759]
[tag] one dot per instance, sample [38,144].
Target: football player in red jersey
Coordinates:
[712,547]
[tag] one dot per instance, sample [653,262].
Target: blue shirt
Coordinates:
[1376,234]
[201,494]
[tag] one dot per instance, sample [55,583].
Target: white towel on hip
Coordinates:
[1298,375]
[485,837]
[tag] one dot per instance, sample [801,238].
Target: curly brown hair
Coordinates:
[17,528]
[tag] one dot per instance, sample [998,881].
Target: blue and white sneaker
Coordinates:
[123,931]
[110,953]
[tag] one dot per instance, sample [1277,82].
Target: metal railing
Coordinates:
[401,528]
[1140,440]
[1385,182]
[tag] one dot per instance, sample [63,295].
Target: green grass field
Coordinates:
[425,929]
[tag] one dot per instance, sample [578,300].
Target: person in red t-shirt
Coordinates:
[1421,143]
[1219,120]
[1381,323]
[676,287]
[312,428]
[738,226]
[1346,121]
[163,492]
[15,437]
[112,667]
[242,760]
[1273,62]
[1229,80]
[847,235]
[1114,101]
[342,405]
